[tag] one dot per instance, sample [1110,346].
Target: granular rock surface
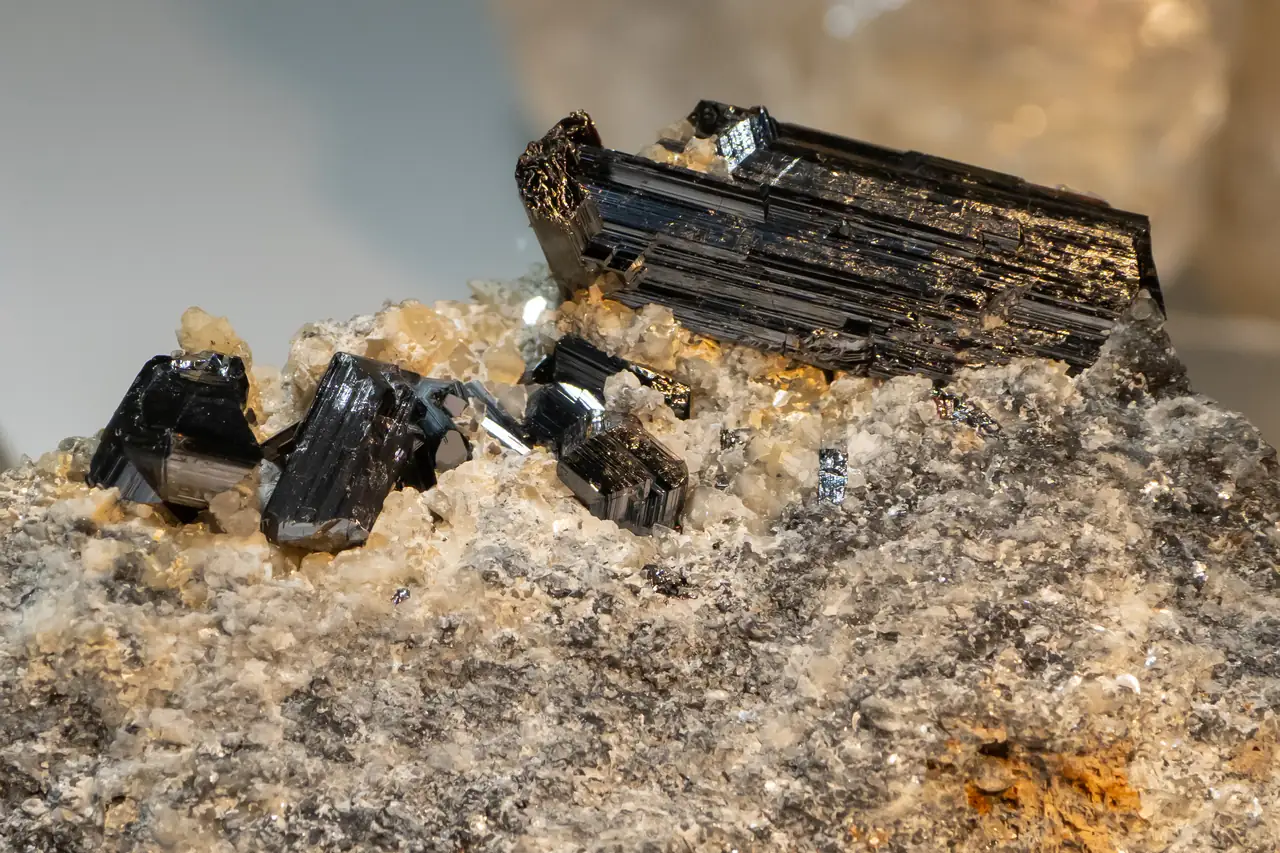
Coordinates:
[1057,635]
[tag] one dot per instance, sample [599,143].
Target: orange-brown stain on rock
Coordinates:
[1256,757]
[1062,802]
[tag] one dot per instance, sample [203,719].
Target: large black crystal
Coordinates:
[622,473]
[371,426]
[180,435]
[580,363]
[842,254]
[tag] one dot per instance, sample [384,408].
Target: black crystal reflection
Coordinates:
[954,407]
[622,473]
[833,475]
[180,435]
[371,427]
[842,254]
[579,363]
[556,410]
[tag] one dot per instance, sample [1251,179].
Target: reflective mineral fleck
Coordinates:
[1058,638]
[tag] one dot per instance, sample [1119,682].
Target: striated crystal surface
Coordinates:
[622,473]
[833,474]
[180,435]
[557,409]
[349,451]
[578,362]
[839,253]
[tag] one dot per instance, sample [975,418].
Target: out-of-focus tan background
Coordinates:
[288,161]
[1168,107]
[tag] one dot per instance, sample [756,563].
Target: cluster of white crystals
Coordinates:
[1059,638]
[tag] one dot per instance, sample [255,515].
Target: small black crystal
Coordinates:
[845,255]
[579,363]
[180,435]
[556,410]
[669,582]
[441,445]
[954,407]
[622,473]
[833,475]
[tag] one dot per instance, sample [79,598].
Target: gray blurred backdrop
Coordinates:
[278,161]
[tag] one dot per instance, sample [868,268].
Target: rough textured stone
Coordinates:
[1061,637]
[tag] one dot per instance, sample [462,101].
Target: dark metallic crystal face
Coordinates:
[577,362]
[842,254]
[180,435]
[622,473]
[371,427]
[833,475]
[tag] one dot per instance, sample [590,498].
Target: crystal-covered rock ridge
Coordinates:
[1033,612]
[838,253]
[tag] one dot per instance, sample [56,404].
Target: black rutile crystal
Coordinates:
[556,410]
[371,427]
[580,363]
[833,475]
[180,435]
[845,255]
[622,473]
[953,407]
[349,451]
[441,446]
[278,447]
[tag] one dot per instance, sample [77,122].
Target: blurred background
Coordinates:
[290,160]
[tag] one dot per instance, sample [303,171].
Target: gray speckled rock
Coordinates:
[1061,637]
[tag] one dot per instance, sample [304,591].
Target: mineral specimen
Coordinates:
[833,474]
[556,409]
[842,254]
[579,363]
[180,435]
[441,446]
[496,420]
[1061,640]
[350,450]
[953,407]
[622,473]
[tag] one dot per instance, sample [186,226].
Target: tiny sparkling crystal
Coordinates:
[953,407]
[833,475]
[845,255]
